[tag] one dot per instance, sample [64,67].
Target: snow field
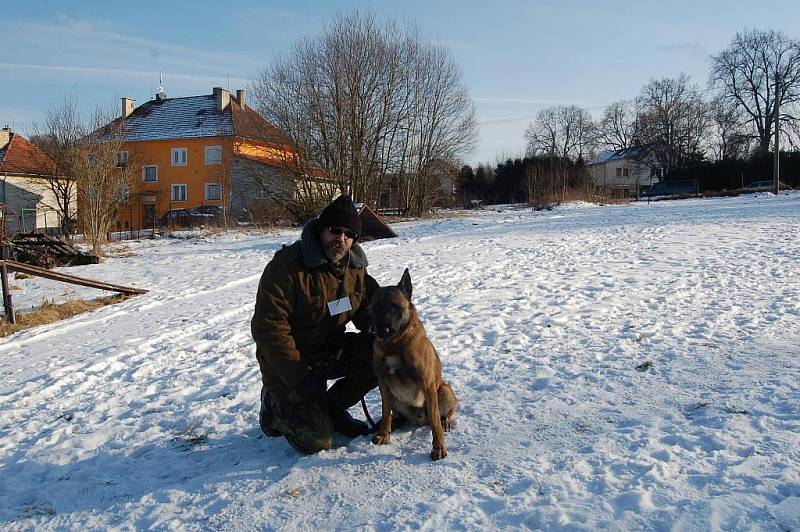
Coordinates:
[143,414]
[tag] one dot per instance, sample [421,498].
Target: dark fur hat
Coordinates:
[340,213]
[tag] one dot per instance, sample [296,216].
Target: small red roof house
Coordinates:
[26,187]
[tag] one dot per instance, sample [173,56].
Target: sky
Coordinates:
[517,57]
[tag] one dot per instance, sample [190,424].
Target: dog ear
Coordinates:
[405,284]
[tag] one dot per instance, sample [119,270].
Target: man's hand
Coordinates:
[326,364]
[311,387]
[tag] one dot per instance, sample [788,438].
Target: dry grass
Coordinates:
[193,434]
[592,194]
[122,251]
[50,312]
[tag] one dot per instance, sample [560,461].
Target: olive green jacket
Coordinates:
[292,325]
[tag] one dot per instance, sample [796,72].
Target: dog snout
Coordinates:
[384,332]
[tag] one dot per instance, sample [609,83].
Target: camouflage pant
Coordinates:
[306,423]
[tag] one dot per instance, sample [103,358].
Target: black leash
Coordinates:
[366,414]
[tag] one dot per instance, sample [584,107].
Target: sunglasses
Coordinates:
[342,231]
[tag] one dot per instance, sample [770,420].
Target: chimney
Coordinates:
[240,97]
[223,98]
[5,137]
[127,106]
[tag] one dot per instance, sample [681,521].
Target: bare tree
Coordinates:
[440,129]
[103,184]
[673,121]
[563,131]
[543,134]
[617,129]
[368,103]
[543,181]
[728,138]
[82,157]
[56,139]
[745,75]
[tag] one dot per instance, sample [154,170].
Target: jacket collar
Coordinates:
[313,254]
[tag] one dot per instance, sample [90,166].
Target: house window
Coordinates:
[213,154]
[213,191]
[179,156]
[178,193]
[624,172]
[122,159]
[27,220]
[150,174]
[619,172]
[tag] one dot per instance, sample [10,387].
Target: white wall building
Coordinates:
[631,169]
[25,191]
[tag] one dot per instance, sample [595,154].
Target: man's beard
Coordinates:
[336,251]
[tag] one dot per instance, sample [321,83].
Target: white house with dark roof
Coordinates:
[631,169]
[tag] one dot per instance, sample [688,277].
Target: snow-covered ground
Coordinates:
[627,367]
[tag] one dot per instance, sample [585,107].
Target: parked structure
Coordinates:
[29,201]
[372,226]
[198,151]
[631,169]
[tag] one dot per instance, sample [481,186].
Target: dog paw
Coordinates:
[381,438]
[438,454]
[447,426]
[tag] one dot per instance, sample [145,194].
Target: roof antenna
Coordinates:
[161,95]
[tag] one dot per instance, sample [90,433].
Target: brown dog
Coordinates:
[408,368]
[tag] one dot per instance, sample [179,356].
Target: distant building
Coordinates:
[442,187]
[448,179]
[631,169]
[26,192]
[209,150]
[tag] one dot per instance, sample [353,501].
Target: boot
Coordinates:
[265,416]
[347,425]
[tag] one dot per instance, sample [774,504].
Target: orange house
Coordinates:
[209,150]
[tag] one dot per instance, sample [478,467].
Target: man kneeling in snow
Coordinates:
[308,292]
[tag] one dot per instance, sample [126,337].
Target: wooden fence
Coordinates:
[14,266]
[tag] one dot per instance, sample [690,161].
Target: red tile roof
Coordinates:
[288,165]
[21,157]
[250,125]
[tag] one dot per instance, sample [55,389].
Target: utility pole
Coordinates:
[776,173]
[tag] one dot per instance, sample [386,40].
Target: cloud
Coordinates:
[516,111]
[463,46]
[507,120]
[77,42]
[533,101]
[690,48]
[104,73]
[285,13]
